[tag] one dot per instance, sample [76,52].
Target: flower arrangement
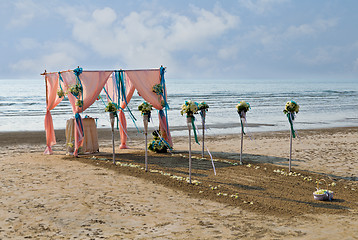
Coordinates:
[157,145]
[79,103]
[243,106]
[145,108]
[322,194]
[158,89]
[76,90]
[111,107]
[291,107]
[322,191]
[203,106]
[190,108]
[78,71]
[162,103]
[61,93]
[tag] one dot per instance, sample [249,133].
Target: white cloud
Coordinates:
[25,12]
[228,52]
[274,38]
[54,56]
[151,38]
[27,44]
[316,27]
[51,62]
[188,34]
[260,6]
[105,16]
[319,56]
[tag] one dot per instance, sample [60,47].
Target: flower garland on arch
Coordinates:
[76,90]
[159,90]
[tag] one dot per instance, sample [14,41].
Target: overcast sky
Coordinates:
[243,39]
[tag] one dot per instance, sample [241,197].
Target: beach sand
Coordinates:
[61,197]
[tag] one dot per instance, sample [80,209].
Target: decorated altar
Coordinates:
[83,88]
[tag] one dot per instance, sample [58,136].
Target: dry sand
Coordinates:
[60,197]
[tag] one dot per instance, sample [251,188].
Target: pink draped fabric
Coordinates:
[92,83]
[123,123]
[52,101]
[164,129]
[143,81]
[112,91]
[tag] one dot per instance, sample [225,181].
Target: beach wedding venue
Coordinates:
[206,119]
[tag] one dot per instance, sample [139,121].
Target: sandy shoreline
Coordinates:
[320,147]
[61,197]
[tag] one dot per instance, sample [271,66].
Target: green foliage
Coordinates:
[157,145]
[111,107]
[145,107]
[203,106]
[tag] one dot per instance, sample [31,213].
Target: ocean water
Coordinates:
[323,104]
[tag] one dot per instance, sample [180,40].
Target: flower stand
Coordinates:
[111,116]
[189,121]
[145,123]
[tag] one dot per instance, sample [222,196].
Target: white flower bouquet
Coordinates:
[291,107]
[190,108]
[243,106]
[145,108]
[61,93]
[79,103]
[76,90]
[322,194]
[158,89]
[157,145]
[111,107]
[203,106]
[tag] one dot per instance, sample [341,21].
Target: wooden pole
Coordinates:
[46,87]
[242,139]
[289,163]
[189,127]
[203,126]
[145,122]
[111,116]
[146,152]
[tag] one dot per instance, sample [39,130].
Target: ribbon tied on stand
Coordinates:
[291,108]
[145,109]
[242,108]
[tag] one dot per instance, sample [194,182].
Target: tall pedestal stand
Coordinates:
[242,119]
[111,116]
[289,162]
[145,123]
[188,120]
[203,115]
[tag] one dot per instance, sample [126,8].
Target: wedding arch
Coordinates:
[84,87]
